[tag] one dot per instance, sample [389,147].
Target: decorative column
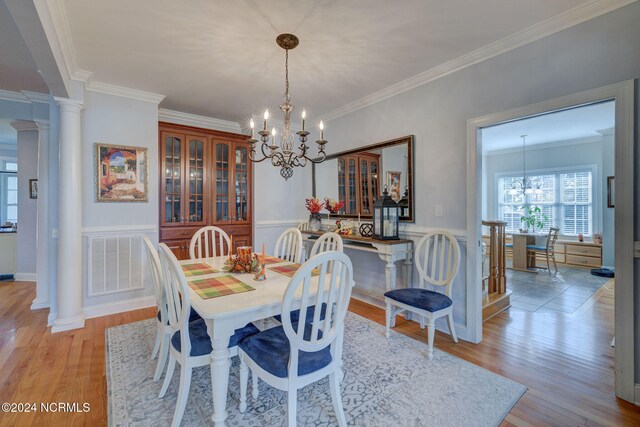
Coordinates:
[69,291]
[43,234]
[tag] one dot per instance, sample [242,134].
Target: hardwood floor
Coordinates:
[565,360]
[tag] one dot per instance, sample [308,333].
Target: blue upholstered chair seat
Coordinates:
[201,342]
[193,315]
[508,245]
[270,349]
[537,247]
[420,298]
[295,314]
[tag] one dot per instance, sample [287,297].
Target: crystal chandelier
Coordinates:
[284,156]
[525,185]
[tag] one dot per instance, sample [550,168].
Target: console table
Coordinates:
[389,251]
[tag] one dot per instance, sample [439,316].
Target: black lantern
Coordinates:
[404,204]
[386,214]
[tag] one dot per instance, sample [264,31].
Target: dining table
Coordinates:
[224,314]
[521,261]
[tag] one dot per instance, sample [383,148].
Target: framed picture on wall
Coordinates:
[393,185]
[33,188]
[121,173]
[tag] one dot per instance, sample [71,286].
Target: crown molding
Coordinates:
[570,18]
[545,145]
[187,119]
[24,97]
[125,92]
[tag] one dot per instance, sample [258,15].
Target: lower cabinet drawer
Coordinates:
[177,233]
[594,251]
[584,260]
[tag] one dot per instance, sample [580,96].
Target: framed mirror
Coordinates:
[357,177]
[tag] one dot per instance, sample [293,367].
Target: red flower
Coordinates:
[333,206]
[313,205]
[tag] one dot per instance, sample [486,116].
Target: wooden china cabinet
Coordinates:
[206,178]
[358,182]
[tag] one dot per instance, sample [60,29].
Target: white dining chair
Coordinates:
[295,354]
[289,245]
[437,258]
[208,242]
[304,226]
[329,241]
[163,330]
[190,342]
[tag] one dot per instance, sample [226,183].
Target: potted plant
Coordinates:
[534,218]
[332,205]
[314,206]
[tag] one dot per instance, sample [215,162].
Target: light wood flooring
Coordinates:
[565,360]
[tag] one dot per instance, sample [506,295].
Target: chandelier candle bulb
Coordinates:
[321,130]
[304,114]
[266,117]
[251,125]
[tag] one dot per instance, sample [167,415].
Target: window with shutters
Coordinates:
[565,197]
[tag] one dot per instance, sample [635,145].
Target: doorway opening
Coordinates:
[546,185]
[623,96]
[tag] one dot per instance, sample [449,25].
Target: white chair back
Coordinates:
[156,273]
[177,296]
[332,287]
[303,226]
[208,242]
[289,245]
[327,242]
[437,258]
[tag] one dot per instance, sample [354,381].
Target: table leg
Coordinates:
[390,274]
[219,375]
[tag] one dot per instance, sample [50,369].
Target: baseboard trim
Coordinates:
[25,277]
[37,305]
[61,325]
[119,307]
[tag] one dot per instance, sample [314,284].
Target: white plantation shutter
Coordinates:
[566,199]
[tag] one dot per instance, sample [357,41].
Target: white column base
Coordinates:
[37,304]
[60,325]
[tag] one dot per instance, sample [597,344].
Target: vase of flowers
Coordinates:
[314,206]
[332,205]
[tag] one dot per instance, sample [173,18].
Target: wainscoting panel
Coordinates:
[115,263]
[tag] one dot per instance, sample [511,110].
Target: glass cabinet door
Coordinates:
[241,183]
[375,186]
[352,205]
[364,188]
[221,183]
[195,178]
[172,179]
[342,190]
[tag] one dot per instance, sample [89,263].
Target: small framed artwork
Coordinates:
[393,185]
[121,173]
[33,188]
[611,191]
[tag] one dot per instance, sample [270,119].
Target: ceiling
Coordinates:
[565,125]
[219,58]
[18,70]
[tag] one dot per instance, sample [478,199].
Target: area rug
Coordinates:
[387,383]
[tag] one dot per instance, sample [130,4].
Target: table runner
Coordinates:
[290,269]
[198,269]
[218,286]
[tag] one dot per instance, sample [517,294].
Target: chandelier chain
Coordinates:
[286,75]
